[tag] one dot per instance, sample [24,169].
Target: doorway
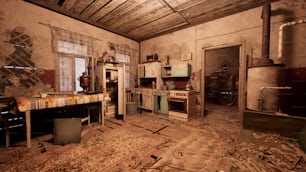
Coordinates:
[221,78]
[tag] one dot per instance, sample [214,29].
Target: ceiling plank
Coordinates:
[206,7]
[57,8]
[183,4]
[50,1]
[143,19]
[211,6]
[121,10]
[109,7]
[198,15]
[67,4]
[164,24]
[79,6]
[94,7]
[148,12]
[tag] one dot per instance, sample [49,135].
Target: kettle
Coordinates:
[188,86]
[84,81]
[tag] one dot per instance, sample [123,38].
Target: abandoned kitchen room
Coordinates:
[153,85]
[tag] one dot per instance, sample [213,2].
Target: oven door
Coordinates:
[177,105]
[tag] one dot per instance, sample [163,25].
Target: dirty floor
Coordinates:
[151,142]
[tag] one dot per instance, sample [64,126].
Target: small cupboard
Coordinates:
[149,75]
[149,79]
[149,70]
[145,99]
[176,70]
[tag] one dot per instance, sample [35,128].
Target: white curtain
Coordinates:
[71,43]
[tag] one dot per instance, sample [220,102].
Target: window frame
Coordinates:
[71,51]
[126,59]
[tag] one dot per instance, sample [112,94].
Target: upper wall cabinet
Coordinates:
[176,70]
[149,70]
[149,75]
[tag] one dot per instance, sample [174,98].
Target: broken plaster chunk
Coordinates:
[263,148]
[232,151]
[177,154]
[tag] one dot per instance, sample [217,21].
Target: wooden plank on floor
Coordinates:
[110,124]
[160,129]
[175,131]
[117,122]
[139,126]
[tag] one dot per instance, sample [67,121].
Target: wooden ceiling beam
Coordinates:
[143,19]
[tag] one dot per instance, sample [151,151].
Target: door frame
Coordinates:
[242,74]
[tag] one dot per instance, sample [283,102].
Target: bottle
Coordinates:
[153,85]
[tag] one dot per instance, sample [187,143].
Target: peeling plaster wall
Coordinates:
[173,45]
[244,29]
[19,14]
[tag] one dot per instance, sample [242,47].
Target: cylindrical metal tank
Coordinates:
[258,97]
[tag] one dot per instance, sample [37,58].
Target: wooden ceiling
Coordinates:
[143,19]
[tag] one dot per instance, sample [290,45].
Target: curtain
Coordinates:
[64,41]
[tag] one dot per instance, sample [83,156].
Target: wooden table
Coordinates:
[27,104]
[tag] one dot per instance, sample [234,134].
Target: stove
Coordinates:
[181,104]
[179,93]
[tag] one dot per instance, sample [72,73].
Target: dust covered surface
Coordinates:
[149,142]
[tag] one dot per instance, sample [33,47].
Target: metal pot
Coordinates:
[84,81]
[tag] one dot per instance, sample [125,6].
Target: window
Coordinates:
[65,74]
[71,48]
[70,71]
[79,69]
[122,58]
[70,67]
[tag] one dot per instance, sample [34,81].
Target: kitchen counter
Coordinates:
[53,101]
[26,104]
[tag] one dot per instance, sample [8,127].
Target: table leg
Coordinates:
[7,134]
[88,116]
[102,113]
[28,128]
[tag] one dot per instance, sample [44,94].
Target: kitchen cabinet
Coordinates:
[113,84]
[146,99]
[160,102]
[149,74]
[152,69]
[141,71]
[149,70]
[176,70]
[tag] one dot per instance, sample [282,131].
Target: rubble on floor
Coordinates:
[150,142]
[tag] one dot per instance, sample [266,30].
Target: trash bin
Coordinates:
[67,130]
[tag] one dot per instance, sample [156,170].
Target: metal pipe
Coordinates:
[280,34]
[278,88]
[266,13]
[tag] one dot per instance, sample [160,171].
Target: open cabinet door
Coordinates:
[121,92]
[114,84]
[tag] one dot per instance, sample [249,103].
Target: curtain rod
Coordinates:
[49,25]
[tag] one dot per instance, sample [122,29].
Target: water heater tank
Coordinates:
[259,78]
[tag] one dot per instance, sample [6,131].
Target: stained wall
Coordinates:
[244,29]
[25,24]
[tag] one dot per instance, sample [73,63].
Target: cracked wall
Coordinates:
[28,26]
[244,29]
